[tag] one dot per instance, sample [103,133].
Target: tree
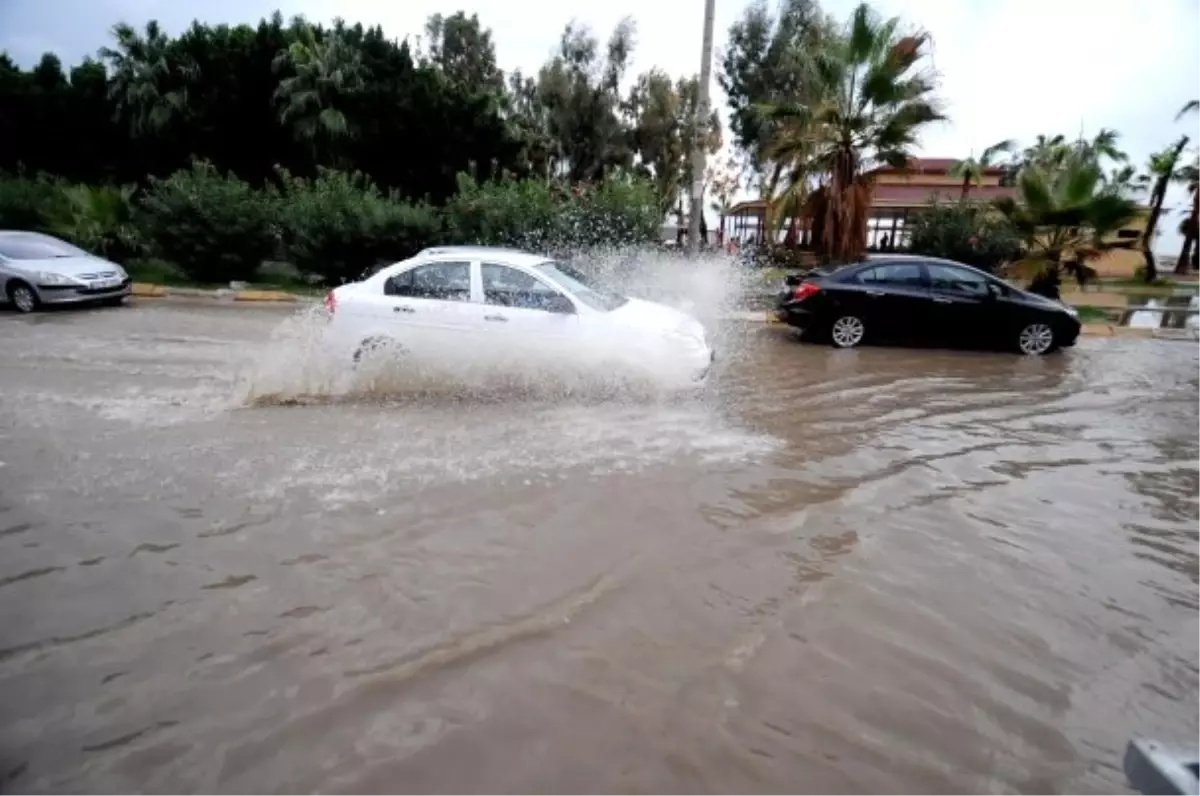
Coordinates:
[968,232]
[1163,170]
[768,75]
[150,88]
[662,127]
[1065,218]
[723,182]
[581,93]
[877,100]
[462,48]
[971,170]
[1190,225]
[323,73]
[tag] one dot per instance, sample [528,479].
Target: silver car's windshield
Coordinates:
[32,246]
[579,285]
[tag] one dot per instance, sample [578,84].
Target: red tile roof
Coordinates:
[918,195]
[932,166]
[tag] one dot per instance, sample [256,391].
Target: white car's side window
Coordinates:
[449,281]
[508,287]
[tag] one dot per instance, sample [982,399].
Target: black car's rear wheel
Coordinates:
[847,331]
[1036,339]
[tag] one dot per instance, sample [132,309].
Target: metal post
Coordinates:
[698,136]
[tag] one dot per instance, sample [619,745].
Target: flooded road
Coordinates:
[872,570]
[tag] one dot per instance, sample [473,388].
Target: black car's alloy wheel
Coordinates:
[847,331]
[1036,339]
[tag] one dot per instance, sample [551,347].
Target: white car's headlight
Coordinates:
[51,278]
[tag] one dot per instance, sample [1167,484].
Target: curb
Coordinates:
[149,290]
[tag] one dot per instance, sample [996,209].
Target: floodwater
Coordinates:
[873,570]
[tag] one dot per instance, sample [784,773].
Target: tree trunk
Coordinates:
[1191,226]
[1156,202]
[966,189]
[768,225]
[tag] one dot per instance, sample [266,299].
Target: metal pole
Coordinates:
[698,134]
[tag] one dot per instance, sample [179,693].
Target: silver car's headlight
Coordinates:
[51,278]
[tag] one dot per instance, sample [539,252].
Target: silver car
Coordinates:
[37,269]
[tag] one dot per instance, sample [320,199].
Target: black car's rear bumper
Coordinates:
[794,315]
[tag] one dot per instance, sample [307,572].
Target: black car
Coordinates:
[911,298]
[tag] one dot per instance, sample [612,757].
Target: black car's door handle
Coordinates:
[876,293]
[943,300]
[402,309]
[499,318]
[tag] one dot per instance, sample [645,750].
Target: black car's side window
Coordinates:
[948,279]
[437,281]
[894,274]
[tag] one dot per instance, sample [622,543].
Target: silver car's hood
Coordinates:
[74,267]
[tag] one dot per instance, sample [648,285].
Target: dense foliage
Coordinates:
[969,232]
[215,227]
[249,99]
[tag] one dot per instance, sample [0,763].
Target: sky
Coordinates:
[1010,69]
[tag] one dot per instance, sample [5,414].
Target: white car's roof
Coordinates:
[494,254]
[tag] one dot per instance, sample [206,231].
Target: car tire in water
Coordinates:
[22,296]
[847,331]
[1036,339]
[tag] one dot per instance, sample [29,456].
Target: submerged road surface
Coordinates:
[879,570]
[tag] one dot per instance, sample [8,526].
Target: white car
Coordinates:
[507,308]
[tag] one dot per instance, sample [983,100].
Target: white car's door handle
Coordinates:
[402,309]
[499,318]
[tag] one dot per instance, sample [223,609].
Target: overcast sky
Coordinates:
[1010,68]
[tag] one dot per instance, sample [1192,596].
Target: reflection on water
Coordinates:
[868,570]
[1156,314]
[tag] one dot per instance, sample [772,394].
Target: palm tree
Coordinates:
[324,73]
[1163,171]
[149,83]
[1102,146]
[1189,175]
[1065,218]
[871,103]
[972,170]
[1046,153]
[1191,106]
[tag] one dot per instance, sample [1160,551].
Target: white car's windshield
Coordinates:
[32,246]
[578,284]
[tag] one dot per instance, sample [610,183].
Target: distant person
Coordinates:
[884,242]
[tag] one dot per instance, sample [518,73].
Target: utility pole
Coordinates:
[698,131]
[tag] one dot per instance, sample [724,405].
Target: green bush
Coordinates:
[619,211]
[966,231]
[537,215]
[27,203]
[503,213]
[215,227]
[340,226]
[98,219]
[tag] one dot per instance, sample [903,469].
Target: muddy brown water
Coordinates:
[880,570]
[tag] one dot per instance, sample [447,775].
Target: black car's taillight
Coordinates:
[805,290]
